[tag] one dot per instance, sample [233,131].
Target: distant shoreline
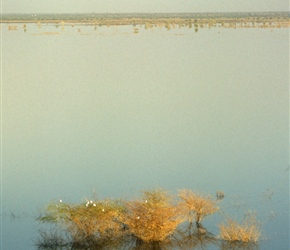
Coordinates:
[34,17]
[248,19]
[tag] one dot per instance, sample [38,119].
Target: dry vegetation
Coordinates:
[247,231]
[95,219]
[87,222]
[153,219]
[195,206]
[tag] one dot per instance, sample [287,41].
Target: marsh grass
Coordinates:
[195,206]
[152,218]
[248,231]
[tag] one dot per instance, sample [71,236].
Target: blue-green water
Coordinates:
[104,109]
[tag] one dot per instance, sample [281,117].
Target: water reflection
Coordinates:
[196,237]
[52,239]
[187,237]
[239,246]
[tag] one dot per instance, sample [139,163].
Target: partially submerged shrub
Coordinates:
[247,231]
[89,221]
[95,219]
[153,218]
[195,206]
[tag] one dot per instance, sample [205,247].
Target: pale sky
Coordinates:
[127,6]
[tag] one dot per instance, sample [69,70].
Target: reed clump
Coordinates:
[196,207]
[246,232]
[152,218]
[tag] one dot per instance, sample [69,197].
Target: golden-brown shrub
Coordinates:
[90,221]
[97,219]
[247,231]
[153,218]
[196,207]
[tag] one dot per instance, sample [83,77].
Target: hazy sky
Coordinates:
[100,6]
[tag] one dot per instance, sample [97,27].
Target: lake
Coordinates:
[115,110]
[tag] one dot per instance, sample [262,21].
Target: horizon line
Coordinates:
[138,12]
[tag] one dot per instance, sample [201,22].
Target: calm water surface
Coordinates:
[102,109]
